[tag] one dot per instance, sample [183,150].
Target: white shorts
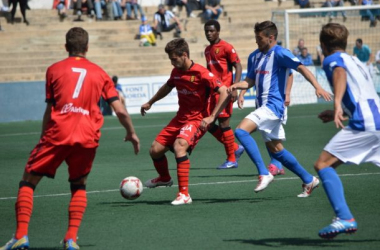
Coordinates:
[269,125]
[353,146]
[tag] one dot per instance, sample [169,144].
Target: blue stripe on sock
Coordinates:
[252,150]
[335,192]
[291,163]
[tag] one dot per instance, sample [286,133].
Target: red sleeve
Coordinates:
[170,82]
[232,54]
[211,80]
[49,94]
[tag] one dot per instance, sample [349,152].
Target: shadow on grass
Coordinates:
[197,202]
[89,246]
[302,242]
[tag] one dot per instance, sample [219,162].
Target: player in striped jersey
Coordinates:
[274,166]
[270,71]
[357,142]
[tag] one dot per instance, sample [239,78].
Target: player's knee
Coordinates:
[180,147]
[319,165]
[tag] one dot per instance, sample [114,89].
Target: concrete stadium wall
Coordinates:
[21,101]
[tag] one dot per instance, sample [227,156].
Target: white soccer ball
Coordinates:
[131,188]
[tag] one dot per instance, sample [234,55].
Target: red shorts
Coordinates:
[226,112]
[189,131]
[45,159]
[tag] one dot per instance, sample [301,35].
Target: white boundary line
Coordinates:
[195,184]
[120,127]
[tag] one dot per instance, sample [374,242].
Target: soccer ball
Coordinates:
[131,188]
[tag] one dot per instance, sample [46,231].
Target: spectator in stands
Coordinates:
[79,4]
[4,5]
[377,60]
[117,10]
[303,3]
[133,4]
[103,6]
[23,4]
[189,5]
[146,33]
[364,54]
[335,3]
[297,50]
[61,6]
[165,21]
[371,14]
[305,58]
[212,10]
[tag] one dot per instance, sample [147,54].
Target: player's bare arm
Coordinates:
[224,98]
[161,93]
[241,98]
[246,84]
[340,85]
[125,120]
[288,90]
[319,91]
[46,118]
[238,70]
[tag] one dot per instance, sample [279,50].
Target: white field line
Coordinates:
[106,128]
[194,184]
[120,127]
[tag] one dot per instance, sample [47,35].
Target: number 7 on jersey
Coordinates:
[82,75]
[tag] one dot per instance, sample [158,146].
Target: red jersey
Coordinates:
[74,87]
[193,87]
[219,58]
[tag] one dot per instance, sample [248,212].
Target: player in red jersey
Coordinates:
[193,83]
[221,58]
[70,132]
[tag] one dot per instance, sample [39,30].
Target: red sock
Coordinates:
[183,169]
[162,168]
[77,207]
[229,143]
[217,133]
[24,207]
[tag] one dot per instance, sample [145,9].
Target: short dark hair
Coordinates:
[115,79]
[177,46]
[76,41]
[334,37]
[214,23]
[268,27]
[359,40]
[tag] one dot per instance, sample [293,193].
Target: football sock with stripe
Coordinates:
[217,132]
[291,163]
[162,168]
[335,192]
[77,207]
[252,150]
[24,208]
[229,143]
[183,169]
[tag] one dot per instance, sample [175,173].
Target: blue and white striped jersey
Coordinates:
[360,101]
[270,71]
